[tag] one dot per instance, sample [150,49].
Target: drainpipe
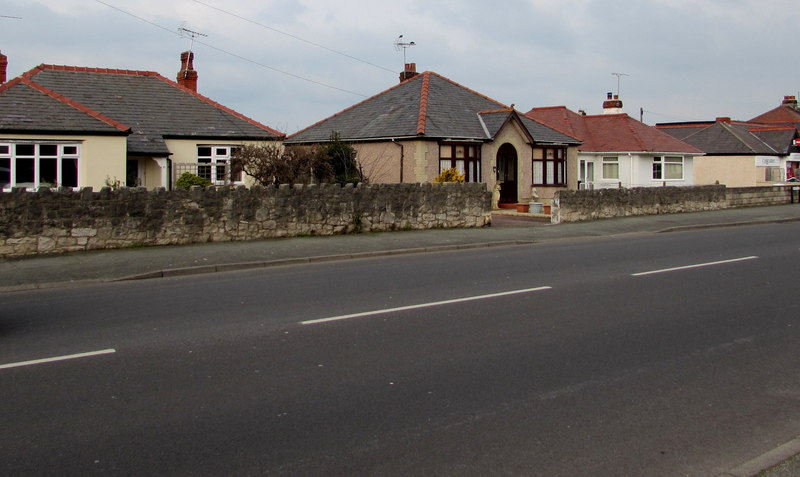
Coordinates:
[402,157]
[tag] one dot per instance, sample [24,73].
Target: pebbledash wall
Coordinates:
[65,221]
[581,205]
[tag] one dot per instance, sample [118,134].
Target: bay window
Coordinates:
[466,158]
[550,166]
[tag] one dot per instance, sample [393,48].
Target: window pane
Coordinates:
[222,151]
[204,151]
[5,149]
[560,172]
[69,172]
[610,171]
[24,172]
[657,170]
[71,150]
[550,172]
[24,149]
[236,170]
[674,171]
[446,152]
[444,164]
[48,150]
[460,152]
[460,166]
[538,172]
[5,172]
[48,172]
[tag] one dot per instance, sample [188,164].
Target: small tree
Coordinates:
[270,164]
[342,157]
[450,175]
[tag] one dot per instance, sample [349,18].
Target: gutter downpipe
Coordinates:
[402,157]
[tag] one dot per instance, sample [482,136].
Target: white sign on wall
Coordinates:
[768,161]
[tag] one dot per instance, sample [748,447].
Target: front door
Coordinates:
[586,175]
[507,173]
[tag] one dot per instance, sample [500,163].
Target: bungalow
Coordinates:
[428,123]
[787,114]
[739,154]
[76,127]
[619,151]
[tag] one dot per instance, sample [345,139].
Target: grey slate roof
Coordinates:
[726,138]
[24,109]
[152,106]
[781,140]
[426,106]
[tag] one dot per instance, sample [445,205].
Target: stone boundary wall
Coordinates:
[582,205]
[66,221]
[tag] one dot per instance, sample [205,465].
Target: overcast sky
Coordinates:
[291,63]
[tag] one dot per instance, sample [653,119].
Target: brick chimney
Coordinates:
[409,72]
[187,76]
[612,104]
[790,101]
[3,67]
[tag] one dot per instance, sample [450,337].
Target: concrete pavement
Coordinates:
[155,262]
[508,229]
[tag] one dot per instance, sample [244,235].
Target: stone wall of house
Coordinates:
[65,221]
[581,205]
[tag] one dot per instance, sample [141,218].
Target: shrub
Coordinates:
[187,180]
[450,175]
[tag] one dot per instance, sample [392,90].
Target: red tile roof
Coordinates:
[781,115]
[610,132]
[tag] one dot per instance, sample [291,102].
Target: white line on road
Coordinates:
[652,272]
[57,358]
[421,305]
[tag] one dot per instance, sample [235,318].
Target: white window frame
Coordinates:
[64,151]
[661,167]
[610,161]
[216,166]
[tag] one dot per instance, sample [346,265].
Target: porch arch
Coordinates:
[508,173]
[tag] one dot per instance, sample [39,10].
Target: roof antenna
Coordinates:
[192,34]
[399,44]
[618,75]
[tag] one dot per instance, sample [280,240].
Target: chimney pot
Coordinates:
[409,72]
[187,76]
[3,68]
[609,96]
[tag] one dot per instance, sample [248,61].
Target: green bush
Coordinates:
[450,175]
[187,180]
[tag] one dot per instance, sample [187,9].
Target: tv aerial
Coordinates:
[191,34]
[618,75]
[399,45]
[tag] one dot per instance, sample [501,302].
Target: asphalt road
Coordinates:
[673,354]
